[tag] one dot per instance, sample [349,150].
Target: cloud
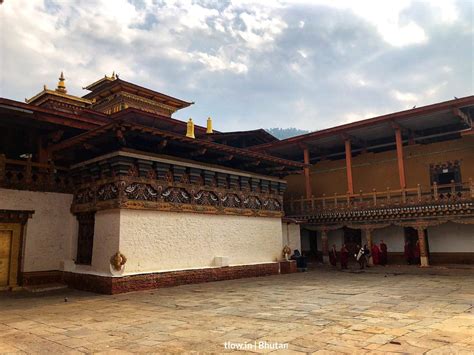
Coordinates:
[248,64]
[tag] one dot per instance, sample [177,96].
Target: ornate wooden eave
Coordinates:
[41,114]
[125,128]
[451,105]
[113,94]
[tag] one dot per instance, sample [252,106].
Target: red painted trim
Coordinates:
[401,163]
[307,177]
[350,185]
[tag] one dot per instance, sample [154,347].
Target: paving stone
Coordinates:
[322,311]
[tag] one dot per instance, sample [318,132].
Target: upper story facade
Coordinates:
[411,165]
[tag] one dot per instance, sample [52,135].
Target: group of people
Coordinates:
[412,252]
[379,255]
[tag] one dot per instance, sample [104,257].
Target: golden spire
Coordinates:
[61,85]
[113,75]
[190,129]
[209,125]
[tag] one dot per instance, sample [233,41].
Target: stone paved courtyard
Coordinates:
[379,311]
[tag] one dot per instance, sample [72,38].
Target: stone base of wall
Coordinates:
[114,285]
[41,277]
[397,258]
[451,258]
[288,267]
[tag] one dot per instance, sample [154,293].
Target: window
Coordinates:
[85,238]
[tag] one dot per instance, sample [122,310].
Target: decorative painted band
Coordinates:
[139,193]
[114,285]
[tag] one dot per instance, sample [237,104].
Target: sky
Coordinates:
[248,64]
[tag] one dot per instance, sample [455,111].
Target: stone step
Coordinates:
[45,287]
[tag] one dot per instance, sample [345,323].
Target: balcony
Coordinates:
[433,201]
[29,175]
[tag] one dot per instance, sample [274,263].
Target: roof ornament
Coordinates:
[61,85]
[113,75]
[209,125]
[190,129]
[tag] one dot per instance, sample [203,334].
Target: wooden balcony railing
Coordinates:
[435,194]
[29,175]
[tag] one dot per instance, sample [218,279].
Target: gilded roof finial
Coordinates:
[113,75]
[61,84]
[209,125]
[190,129]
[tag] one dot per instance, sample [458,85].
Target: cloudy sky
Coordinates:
[248,64]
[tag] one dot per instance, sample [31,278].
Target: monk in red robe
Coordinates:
[333,255]
[344,255]
[375,254]
[383,253]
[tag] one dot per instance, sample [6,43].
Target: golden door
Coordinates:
[9,254]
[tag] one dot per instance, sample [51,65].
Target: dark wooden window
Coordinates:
[85,238]
[445,174]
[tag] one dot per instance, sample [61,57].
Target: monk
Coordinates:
[375,254]
[344,255]
[383,253]
[333,256]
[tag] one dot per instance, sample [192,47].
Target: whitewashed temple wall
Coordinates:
[291,236]
[335,237]
[393,236]
[49,233]
[159,241]
[451,238]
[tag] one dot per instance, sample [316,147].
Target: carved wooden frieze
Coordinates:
[143,193]
[126,182]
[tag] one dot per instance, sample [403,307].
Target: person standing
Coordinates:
[344,255]
[360,257]
[375,254]
[383,253]
[333,255]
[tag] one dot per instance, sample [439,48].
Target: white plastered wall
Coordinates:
[451,238]
[49,234]
[291,236]
[335,237]
[393,236]
[158,241]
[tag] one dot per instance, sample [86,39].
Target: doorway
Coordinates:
[10,244]
[352,239]
[411,237]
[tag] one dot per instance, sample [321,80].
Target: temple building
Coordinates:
[405,178]
[109,193]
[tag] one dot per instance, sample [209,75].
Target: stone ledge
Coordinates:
[114,285]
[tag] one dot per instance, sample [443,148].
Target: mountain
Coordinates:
[283,133]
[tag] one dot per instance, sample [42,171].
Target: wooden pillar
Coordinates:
[368,236]
[325,246]
[350,185]
[401,164]
[307,177]
[43,153]
[424,261]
